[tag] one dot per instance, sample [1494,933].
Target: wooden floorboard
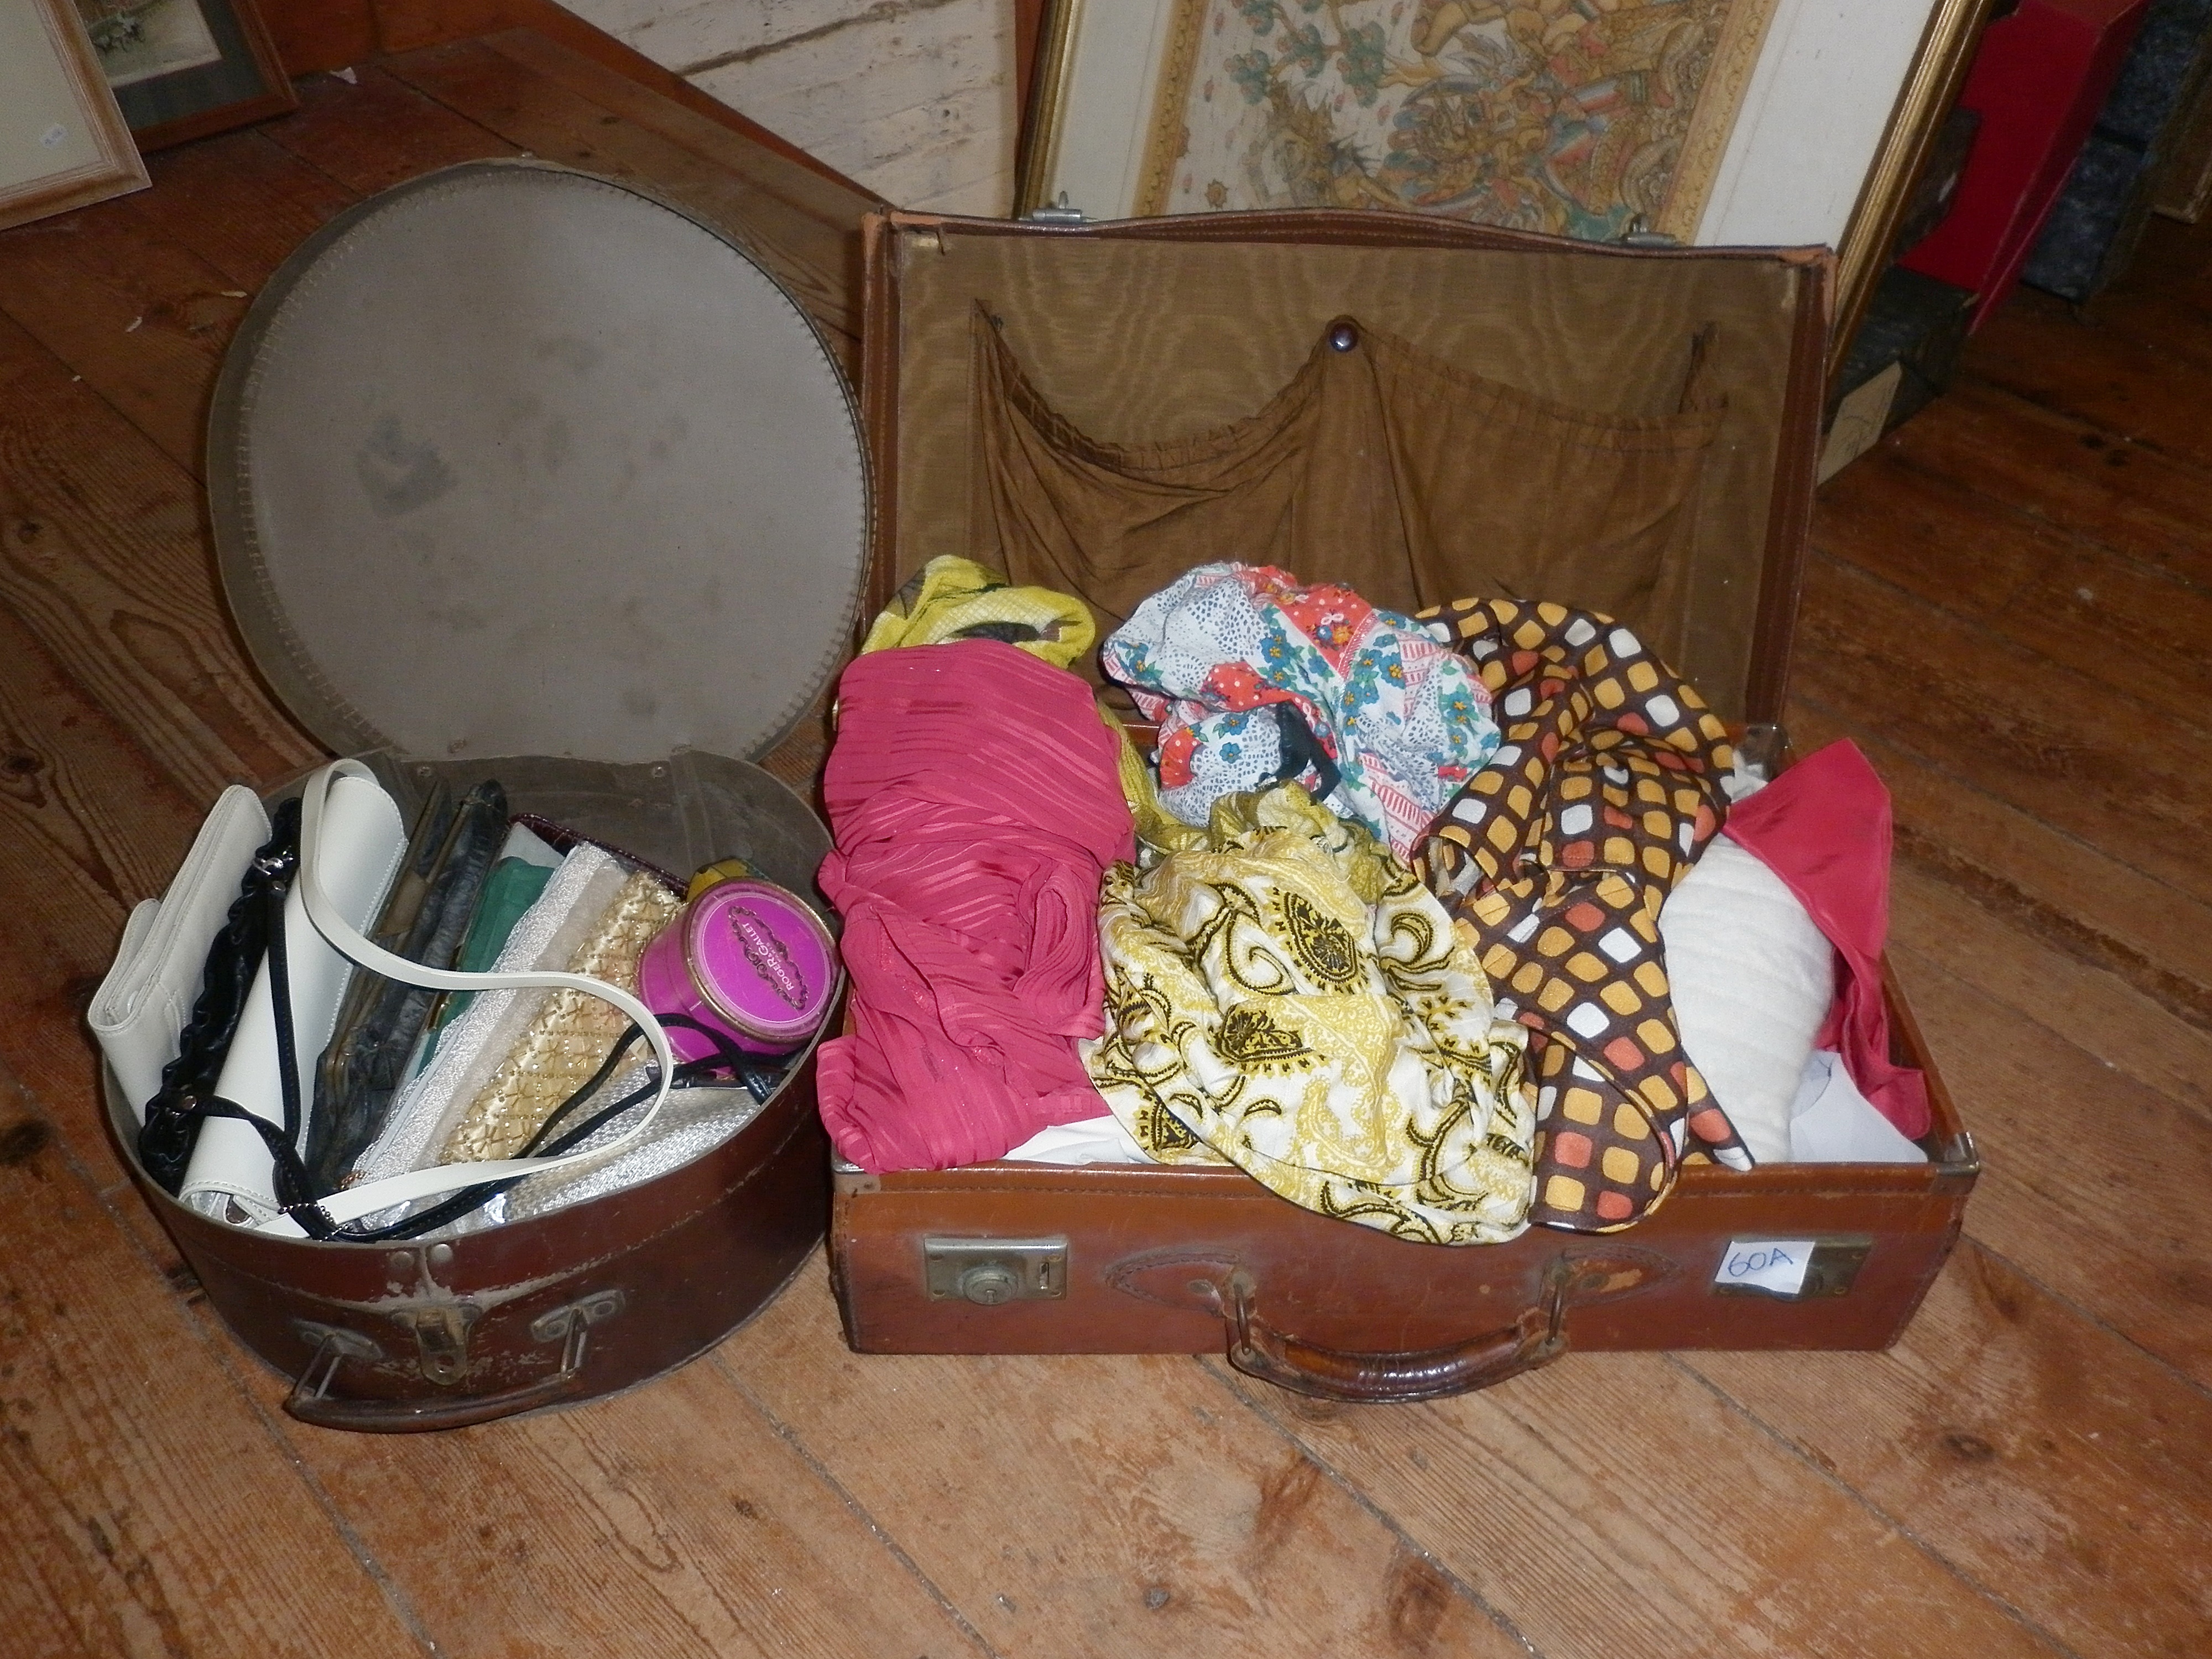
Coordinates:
[1201,1528]
[2106,767]
[104,549]
[378,132]
[2057,1467]
[2056,886]
[139,318]
[2094,1181]
[1628,1508]
[675,1520]
[2148,392]
[2144,508]
[240,202]
[147,1508]
[89,825]
[2088,1006]
[2056,594]
[2010,608]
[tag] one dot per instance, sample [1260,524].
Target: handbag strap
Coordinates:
[1302,750]
[171,1127]
[355,1202]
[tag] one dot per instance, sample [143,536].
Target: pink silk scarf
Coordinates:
[1824,827]
[974,798]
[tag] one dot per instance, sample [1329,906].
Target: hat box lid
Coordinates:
[512,459]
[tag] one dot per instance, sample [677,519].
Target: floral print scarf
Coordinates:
[1255,680]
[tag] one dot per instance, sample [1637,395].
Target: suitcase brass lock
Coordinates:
[990,1283]
[991,1271]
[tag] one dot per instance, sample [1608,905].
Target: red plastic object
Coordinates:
[2037,82]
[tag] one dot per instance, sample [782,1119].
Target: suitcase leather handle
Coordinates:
[1220,1283]
[326,1411]
[1258,1350]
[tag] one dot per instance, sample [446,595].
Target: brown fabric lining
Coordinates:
[1412,480]
[1150,329]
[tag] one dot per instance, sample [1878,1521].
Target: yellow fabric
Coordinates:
[1291,1000]
[721,871]
[1159,832]
[955,599]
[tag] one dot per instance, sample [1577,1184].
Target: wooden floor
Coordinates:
[2010,608]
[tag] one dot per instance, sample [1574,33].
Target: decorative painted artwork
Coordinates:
[182,69]
[1588,118]
[143,39]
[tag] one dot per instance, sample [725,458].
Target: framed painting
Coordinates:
[183,69]
[62,141]
[1575,117]
[1712,122]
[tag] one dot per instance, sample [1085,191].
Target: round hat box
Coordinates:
[518,473]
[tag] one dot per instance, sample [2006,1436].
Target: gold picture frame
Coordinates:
[1939,71]
[1338,71]
[1044,122]
[62,141]
[1797,88]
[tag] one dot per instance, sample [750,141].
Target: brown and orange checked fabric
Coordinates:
[1558,855]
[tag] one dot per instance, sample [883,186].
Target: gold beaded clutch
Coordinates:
[570,1036]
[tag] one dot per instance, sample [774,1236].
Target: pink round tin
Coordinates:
[743,959]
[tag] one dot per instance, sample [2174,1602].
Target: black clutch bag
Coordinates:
[425,919]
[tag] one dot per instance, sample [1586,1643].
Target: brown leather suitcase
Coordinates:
[405,516]
[1145,330]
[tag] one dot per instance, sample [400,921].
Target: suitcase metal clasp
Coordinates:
[333,1345]
[990,1271]
[441,1333]
[1061,212]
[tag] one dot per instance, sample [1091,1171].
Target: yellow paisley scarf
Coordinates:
[1290,999]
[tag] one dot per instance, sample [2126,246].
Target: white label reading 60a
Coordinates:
[1774,1264]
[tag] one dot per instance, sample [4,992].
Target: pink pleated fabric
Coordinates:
[1824,827]
[975,800]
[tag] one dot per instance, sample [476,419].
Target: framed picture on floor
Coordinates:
[1575,117]
[62,142]
[184,68]
[1697,121]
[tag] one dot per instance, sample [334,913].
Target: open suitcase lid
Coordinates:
[511,460]
[1160,332]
